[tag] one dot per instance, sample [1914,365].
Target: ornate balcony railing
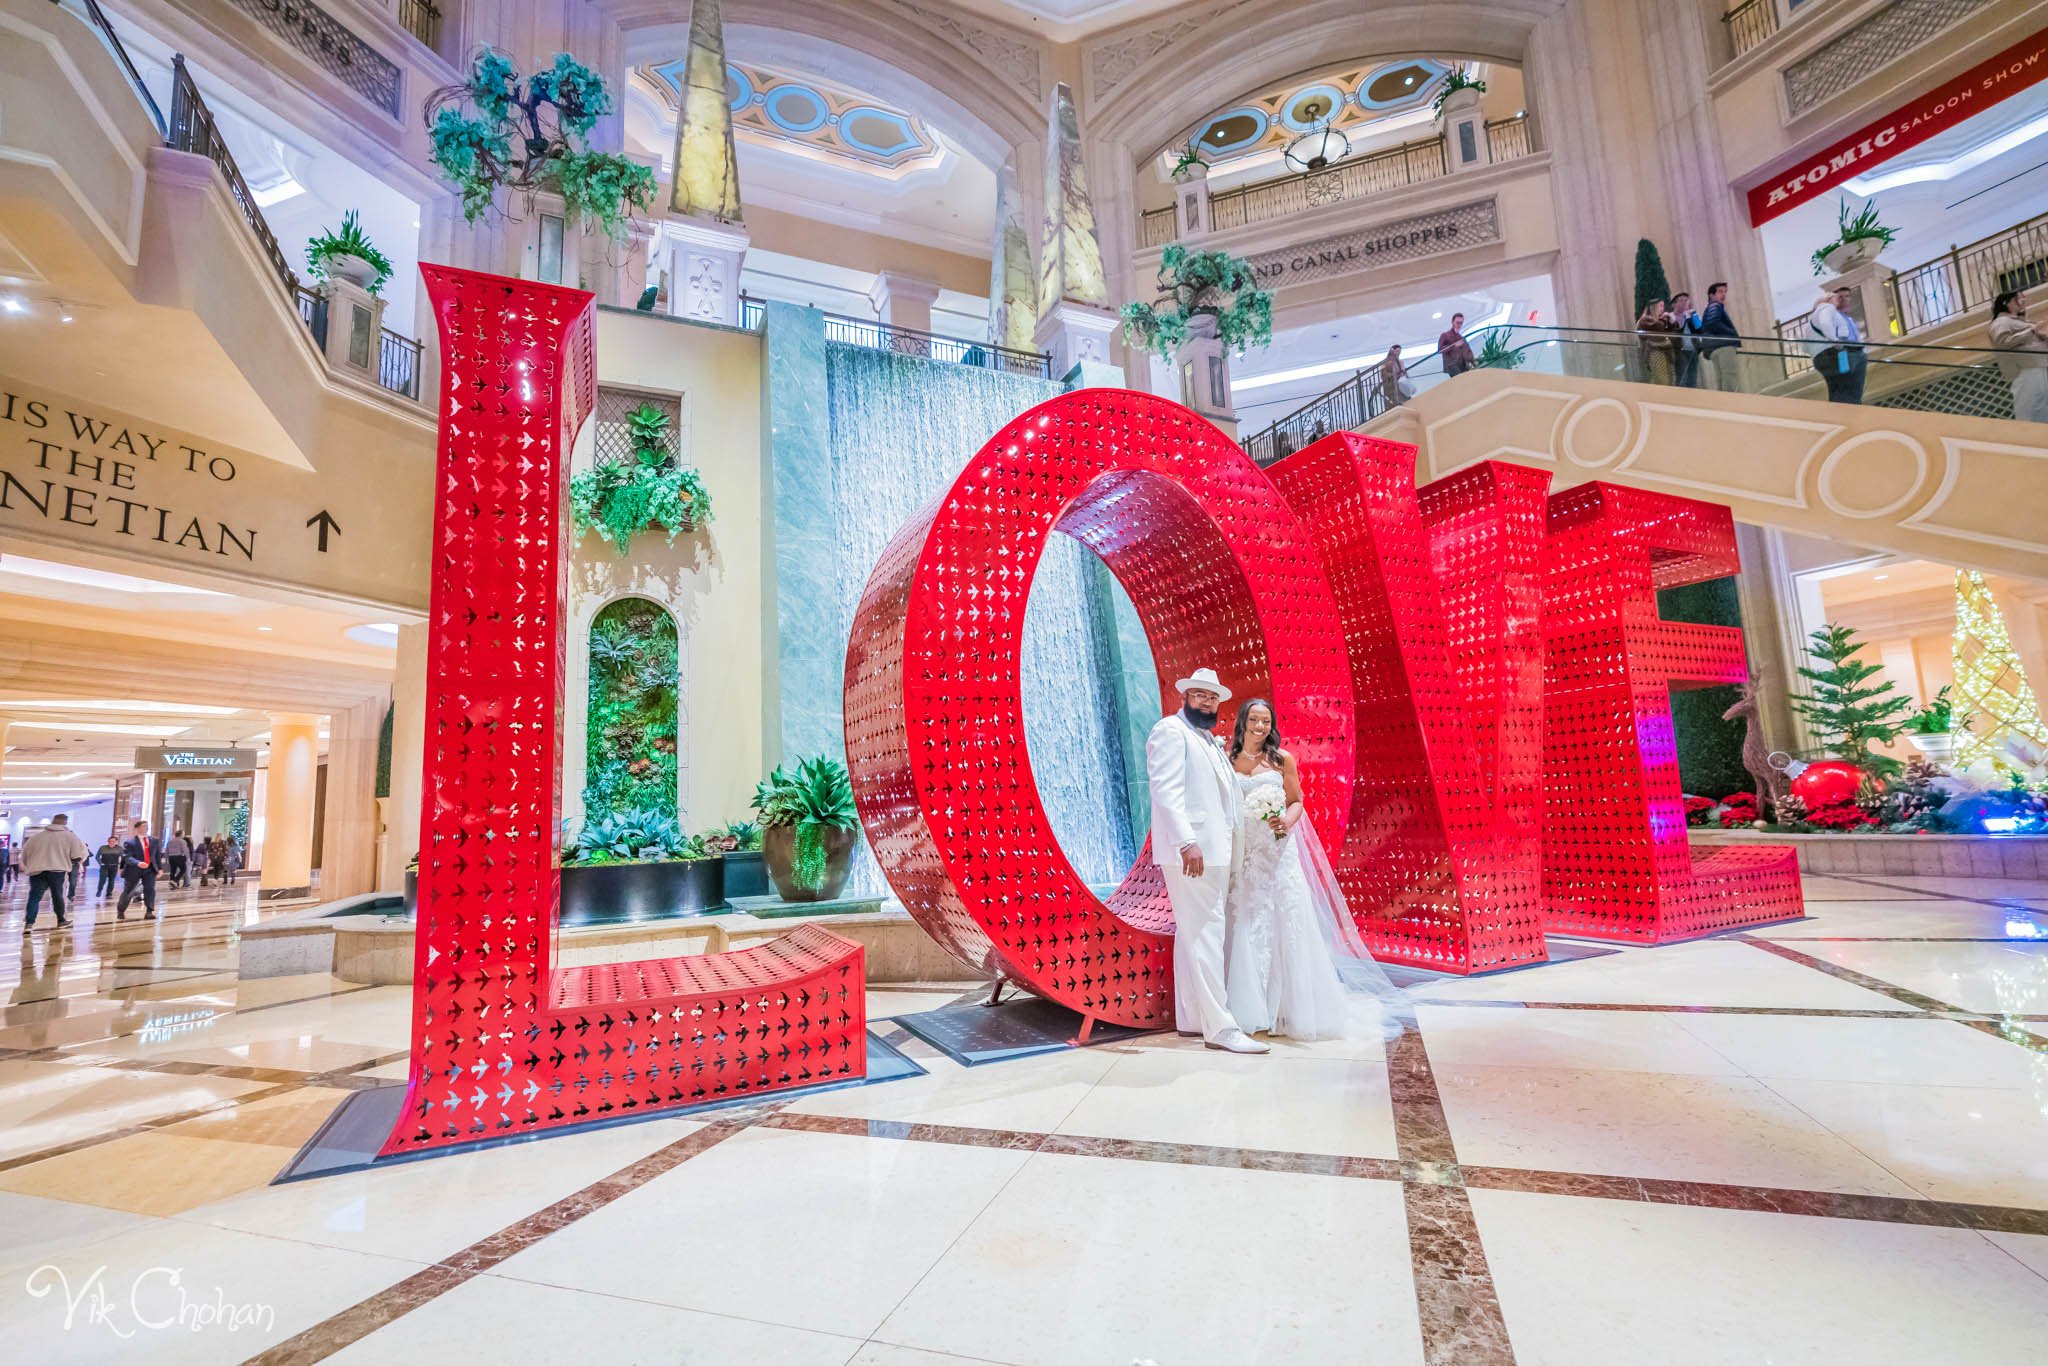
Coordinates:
[1359,177]
[193,130]
[908,341]
[422,20]
[1749,23]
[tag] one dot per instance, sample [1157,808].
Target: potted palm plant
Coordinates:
[1858,240]
[1931,730]
[1458,79]
[808,829]
[349,255]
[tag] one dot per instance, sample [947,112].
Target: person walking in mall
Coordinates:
[141,859]
[177,856]
[1837,345]
[109,860]
[1718,334]
[1655,327]
[49,855]
[2022,348]
[1453,348]
[1685,321]
[230,860]
[1395,386]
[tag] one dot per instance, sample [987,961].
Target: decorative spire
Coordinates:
[707,176]
[1995,710]
[1070,266]
[1013,313]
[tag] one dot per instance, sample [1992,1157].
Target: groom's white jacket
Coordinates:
[1194,797]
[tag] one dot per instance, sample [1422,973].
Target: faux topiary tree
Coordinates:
[1650,281]
[1851,706]
[497,131]
[1196,284]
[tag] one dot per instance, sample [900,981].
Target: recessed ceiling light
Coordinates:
[263,628]
[103,728]
[12,304]
[1409,81]
[1880,576]
[1434,316]
[112,704]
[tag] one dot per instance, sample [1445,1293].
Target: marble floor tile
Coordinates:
[1595,1040]
[46,1104]
[1990,978]
[876,1212]
[2029,1249]
[1961,1143]
[286,1120]
[429,1210]
[1933,919]
[1028,1093]
[151,1173]
[148,1277]
[1583,1281]
[1709,972]
[1085,1259]
[34,1229]
[887,1001]
[1292,1104]
[1820,887]
[517,1323]
[1927,1052]
[1731,1130]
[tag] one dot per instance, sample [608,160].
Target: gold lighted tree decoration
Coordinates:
[1993,703]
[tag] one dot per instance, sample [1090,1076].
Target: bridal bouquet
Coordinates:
[1263,803]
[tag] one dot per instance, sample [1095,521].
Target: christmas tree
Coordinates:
[1650,281]
[1993,703]
[1851,707]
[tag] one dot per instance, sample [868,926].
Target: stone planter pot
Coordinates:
[746,874]
[778,850]
[1194,171]
[1940,748]
[609,893]
[353,269]
[1849,255]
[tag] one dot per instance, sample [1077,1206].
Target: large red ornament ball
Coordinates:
[1827,782]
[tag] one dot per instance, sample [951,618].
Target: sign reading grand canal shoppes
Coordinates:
[1472,224]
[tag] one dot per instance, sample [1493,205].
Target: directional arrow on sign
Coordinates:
[325,521]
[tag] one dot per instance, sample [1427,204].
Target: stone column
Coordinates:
[903,300]
[408,754]
[1075,322]
[1013,288]
[1463,124]
[704,269]
[287,855]
[1191,202]
[348,845]
[1203,367]
[355,328]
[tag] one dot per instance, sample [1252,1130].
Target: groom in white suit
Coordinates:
[1194,824]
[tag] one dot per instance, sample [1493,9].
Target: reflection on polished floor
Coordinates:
[1823,1142]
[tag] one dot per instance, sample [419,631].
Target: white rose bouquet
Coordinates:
[1263,803]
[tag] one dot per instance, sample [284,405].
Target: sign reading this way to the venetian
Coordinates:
[1472,224]
[82,475]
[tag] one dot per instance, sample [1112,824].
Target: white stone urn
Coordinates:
[1847,256]
[1458,102]
[1939,747]
[352,268]
[1191,173]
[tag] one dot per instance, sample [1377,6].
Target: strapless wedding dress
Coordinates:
[1280,973]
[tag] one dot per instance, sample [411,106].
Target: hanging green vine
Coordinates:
[1195,284]
[618,499]
[495,131]
[629,746]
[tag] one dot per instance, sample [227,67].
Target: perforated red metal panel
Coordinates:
[1438,595]
[503,1042]
[1221,573]
[1616,860]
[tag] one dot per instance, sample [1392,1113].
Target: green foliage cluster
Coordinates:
[815,798]
[630,736]
[1936,718]
[629,837]
[1459,79]
[495,131]
[1851,706]
[1860,227]
[322,249]
[1194,284]
[618,499]
[1497,352]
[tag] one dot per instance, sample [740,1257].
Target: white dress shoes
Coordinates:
[1237,1041]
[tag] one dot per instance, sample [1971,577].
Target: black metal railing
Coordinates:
[422,20]
[1749,23]
[752,311]
[909,341]
[193,130]
[312,312]
[1509,139]
[98,18]
[1961,279]
[398,364]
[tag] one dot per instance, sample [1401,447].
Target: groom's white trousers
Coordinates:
[1199,994]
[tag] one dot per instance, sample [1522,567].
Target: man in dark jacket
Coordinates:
[109,858]
[1718,335]
[141,858]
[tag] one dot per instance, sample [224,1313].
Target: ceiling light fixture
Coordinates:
[12,304]
[113,704]
[1317,148]
[102,728]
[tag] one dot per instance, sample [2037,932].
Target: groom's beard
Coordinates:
[1200,720]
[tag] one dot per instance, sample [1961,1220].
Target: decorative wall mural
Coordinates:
[816,117]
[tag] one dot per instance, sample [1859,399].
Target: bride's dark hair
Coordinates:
[1271,747]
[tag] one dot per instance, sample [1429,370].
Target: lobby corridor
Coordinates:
[1827,1141]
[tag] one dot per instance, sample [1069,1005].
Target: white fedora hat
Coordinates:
[1205,678]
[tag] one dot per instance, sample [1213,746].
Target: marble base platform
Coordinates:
[1965,856]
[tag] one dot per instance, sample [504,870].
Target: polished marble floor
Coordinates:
[1822,1142]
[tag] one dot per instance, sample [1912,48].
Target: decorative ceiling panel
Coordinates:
[1348,100]
[821,119]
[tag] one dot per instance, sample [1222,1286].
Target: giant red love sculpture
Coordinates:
[1474,678]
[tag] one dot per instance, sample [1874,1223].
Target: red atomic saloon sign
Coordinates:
[1940,109]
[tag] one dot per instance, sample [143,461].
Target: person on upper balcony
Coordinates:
[2022,355]
[1685,319]
[1659,333]
[1718,333]
[1455,351]
[1395,386]
[1837,346]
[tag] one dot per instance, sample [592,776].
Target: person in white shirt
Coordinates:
[1836,343]
[2022,347]
[1194,825]
[48,856]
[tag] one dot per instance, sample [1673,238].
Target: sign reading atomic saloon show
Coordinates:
[1436,233]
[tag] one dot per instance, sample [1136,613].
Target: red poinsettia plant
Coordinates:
[1841,817]
[1698,808]
[1739,809]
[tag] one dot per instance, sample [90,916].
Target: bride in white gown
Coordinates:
[1294,956]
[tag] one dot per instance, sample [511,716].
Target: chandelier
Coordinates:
[1317,148]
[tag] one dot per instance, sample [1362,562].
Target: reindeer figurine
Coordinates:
[1755,754]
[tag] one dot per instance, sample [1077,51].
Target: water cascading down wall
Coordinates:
[861,439]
